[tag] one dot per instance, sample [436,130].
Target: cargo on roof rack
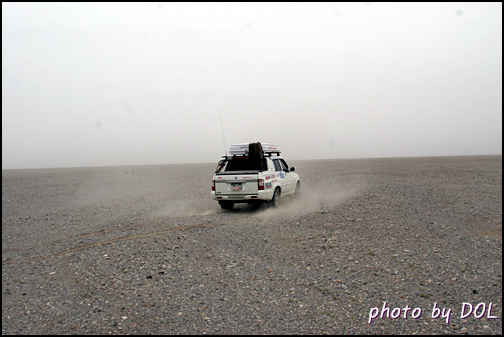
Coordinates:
[243,149]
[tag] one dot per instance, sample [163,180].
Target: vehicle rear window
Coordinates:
[245,163]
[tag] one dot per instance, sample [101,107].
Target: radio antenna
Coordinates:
[222,129]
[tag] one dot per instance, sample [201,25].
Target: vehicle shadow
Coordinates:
[246,208]
[260,207]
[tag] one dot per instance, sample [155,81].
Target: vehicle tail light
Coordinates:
[260,184]
[213,185]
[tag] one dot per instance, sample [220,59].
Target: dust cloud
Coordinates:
[154,192]
[187,207]
[312,199]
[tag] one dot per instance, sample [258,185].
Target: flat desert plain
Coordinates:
[373,246]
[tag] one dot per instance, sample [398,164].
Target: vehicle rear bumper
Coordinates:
[243,198]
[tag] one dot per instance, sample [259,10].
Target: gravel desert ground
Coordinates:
[373,246]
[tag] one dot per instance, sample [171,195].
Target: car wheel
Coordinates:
[297,193]
[275,202]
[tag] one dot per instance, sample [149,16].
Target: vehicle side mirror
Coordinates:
[292,169]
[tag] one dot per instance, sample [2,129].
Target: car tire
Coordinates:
[275,201]
[297,192]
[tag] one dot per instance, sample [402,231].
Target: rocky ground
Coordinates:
[375,246]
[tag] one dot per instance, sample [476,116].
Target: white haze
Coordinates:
[90,84]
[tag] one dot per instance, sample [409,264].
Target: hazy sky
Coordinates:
[90,84]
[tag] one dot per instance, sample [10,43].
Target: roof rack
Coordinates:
[242,149]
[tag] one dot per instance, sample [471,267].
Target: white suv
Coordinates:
[253,173]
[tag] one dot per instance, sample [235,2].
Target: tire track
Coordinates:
[122,238]
[103,231]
